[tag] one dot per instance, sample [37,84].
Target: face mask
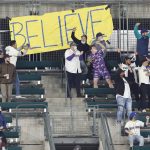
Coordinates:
[83,42]
[75,47]
[101,39]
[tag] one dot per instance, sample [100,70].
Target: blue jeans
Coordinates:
[137,138]
[17,85]
[123,103]
[83,67]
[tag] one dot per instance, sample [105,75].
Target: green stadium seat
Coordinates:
[145,147]
[8,105]
[31,90]
[39,64]
[107,104]
[8,119]
[14,148]
[11,134]
[29,76]
[98,91]
[145,132]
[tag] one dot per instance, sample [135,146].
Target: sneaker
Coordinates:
[111,86]
[87,82]
[19,96]
[144,110]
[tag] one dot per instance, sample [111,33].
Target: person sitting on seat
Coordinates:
[132,128]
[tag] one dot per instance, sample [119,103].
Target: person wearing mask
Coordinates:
[123,95]
[15,52]
[131,76]
[132,128]
[82,46]
[144,81]
[142,43]
[99,68]
[7,77]
[73,69]
[100,43]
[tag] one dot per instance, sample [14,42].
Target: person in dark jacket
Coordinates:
[142,42]
[123,95]
[82,46]
[7,76]
[131,76]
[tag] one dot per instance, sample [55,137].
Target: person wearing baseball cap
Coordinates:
[123,95]
[142,42]
[131,76]
[132,128]
[100,43]
[73,68]
[7,76]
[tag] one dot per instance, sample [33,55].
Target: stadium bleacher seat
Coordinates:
[39,64]
[25,76]
[8,119]
[11,134]
[107,104]
[145,147]
[145,132]
[8,105]
[31,90]
[14,148]
[98,91]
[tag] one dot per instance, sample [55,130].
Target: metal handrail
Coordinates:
[46,120]
[106,130]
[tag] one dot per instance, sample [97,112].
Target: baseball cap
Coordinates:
[143,30]
[99,34]
[73,44]
[133,114]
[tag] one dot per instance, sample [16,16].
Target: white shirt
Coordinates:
[143,78]
[14,53]
[127,92]
[72,66]
[126,69]
[134,126]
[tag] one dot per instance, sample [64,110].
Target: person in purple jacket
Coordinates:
[99,67]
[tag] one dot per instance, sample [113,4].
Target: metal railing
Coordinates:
[104,134]
[47,122]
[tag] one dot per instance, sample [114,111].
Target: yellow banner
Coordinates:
[52,31]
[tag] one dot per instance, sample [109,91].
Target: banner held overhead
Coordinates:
[52,31]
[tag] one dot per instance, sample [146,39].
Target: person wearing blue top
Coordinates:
[142,42]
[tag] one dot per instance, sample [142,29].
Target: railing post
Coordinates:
[94,121]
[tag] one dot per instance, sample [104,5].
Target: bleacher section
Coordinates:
[103,99]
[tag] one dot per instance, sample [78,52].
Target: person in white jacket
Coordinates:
[15,52]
